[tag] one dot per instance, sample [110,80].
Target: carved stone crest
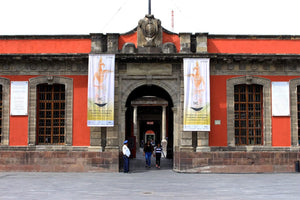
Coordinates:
[149,32]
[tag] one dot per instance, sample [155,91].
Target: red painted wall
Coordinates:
[281,135]
[81,133]
[132,38]
[281,126]
[281,131]
[19,46]
[18,131]
[260,46]
[172,38]
[18,125]
[255,46]
[218,107]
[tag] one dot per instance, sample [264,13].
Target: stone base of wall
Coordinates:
[192,162]
[59,161]
[235,162]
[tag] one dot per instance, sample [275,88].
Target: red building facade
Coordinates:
[240,66]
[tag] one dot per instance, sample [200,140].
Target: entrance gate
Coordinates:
[150,101]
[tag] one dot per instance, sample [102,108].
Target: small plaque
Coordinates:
[217,122]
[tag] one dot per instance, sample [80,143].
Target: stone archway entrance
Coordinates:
[149,115]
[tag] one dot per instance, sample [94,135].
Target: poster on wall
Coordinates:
[280,99]
[19,98]
[196,94]
[101,79]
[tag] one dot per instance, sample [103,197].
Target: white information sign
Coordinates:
[280,99]
[19,98]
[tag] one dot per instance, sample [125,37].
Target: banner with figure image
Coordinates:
[196,115]
[101,79]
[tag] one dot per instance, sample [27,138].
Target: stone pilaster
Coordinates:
[112,42]
[202,141]
[185,42]
[186,141]
[112,138]
[98,43]
[201,42]
[97,139]
[5,83]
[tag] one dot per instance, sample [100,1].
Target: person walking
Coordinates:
[126,155]
[148,150]
[158,151]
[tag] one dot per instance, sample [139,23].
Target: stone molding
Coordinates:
[294,83]
[267,121]
[128,85]
[258,66]
[185,42]
[33,82]
[5,110]
[38,67]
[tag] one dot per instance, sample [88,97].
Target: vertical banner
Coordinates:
[101,79]
[196,115]
[280,99]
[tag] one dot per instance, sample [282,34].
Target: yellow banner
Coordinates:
[101,79]
[196,115]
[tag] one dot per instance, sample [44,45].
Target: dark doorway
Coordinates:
[149,118]
[153,125]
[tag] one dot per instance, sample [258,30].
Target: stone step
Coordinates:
[138,163]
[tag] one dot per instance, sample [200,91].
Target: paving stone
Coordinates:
[150,184]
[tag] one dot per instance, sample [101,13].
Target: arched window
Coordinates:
[248,111]
[50,110]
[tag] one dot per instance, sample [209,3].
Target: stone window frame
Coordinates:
[267,118]
[33,82]
[294,83]
[5,112]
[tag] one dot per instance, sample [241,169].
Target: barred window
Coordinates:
[1,109]
[248,114]
[50,114]
[298,111]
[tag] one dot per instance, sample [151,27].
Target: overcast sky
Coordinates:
[55,17]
